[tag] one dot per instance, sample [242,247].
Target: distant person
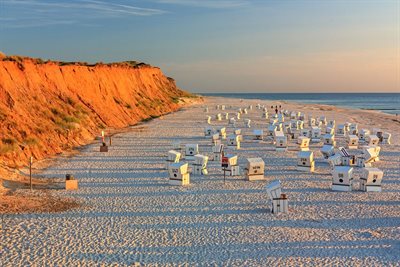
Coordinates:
[276,110]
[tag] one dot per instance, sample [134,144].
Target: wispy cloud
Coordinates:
[32,13]
[207,3]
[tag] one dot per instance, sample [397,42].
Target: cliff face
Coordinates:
[48,107]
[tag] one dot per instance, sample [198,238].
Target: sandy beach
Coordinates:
[129,214]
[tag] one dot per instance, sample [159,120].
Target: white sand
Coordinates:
[131,214]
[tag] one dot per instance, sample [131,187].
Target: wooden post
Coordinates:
[30,171]
[110,140]
[224,175]
[224,164]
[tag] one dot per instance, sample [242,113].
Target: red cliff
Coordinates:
[46,107]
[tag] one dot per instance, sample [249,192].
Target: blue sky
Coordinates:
[220,46]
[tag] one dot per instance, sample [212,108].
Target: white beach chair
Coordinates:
[305,161]
[255,169]
[342,178]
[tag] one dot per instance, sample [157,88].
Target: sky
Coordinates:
[220,45]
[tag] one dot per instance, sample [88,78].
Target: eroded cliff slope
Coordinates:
[46,107]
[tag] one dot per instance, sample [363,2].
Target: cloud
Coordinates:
[33,13]
[207,3]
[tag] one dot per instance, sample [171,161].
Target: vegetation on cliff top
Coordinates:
[20,59]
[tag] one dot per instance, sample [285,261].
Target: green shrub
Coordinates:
[3,115]
[9,141]
[55,111]
[31,141]
[70,119]
[4,149]
[70,101]
[8,145]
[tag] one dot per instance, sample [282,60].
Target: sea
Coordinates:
[384,102]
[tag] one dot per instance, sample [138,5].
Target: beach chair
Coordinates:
[233,141]
[303,143]
[172,157]
[305,133]
[329,139]
[238,132]
[222,132]
[335,160]
[331,123]
[322,119]
[233,167]
[218,151]
[305,161]
[311,121]
[301,125]
[341,130]
[327,151]
[178,174]
[347,159]
[191,150]
[353,129]
[363,134]
[371,180]
[378,132]
[294,125]
[315,134]
[352,141]
[280,141]
[279,201]
[200,165]
[371,153]
[254,169]
[281,117]
[271,130]
[386,138]
[208,119]
[208,131]
[342,178]
[215,139]
[258,134]
[372,140]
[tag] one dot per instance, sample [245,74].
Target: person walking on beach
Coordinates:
[276,109]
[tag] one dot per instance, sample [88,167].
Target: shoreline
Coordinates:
[299,101]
